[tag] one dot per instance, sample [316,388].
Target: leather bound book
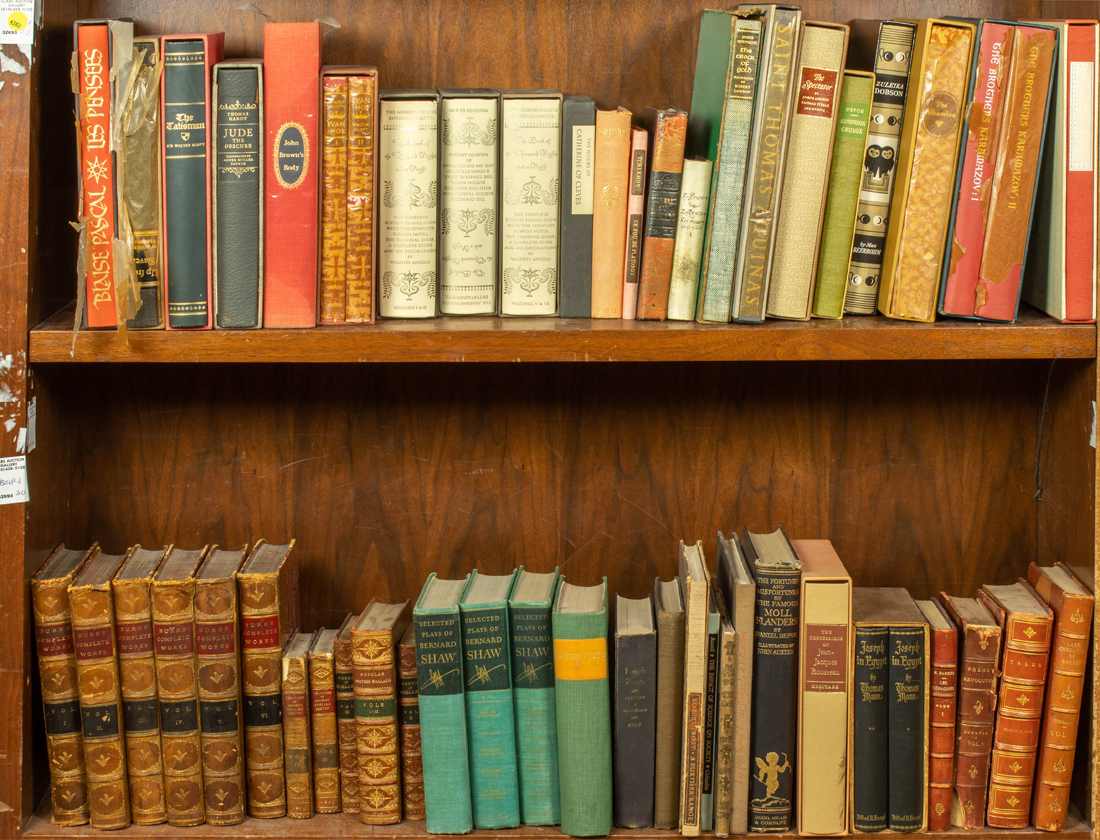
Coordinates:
[635,213]
[533,692]
[825,668]
[219,666]
[187,142]
[297,751]
[238,194]
[132,588]
[578,170]
[53,633]
[669,605]
[778,573]
[1027,625]
[691,230]
[724,720]
[979,654]
[941,734]
[178,686]
[140,187]
[610,211]
[927,155]
[345,717]
[1072,605]
[362,215]
[408,699]
[374,637]
[766,158]
[334,199]
[409,213]
[738,587]
[635,719]
[724,223]
[695,583]
[98,684]
[667,130]
[292,65]
[323,733]
[886,48]
[267,586]
[870,733]
[469,200]
[806,174]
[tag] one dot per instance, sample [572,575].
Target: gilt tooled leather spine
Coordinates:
[334,200]
[297,754]
[361,212]
[941,741]
[667,130]
[345,719]
[412,764]
[53,632]
[375,680]
[323,731]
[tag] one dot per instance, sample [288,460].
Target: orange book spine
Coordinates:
[334,200]
[609,215]
[362,108]
[323,731]
[412,764]
[345,721]
[376,727]
[941,756]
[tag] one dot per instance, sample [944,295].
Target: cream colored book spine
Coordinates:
[687,254]
[696,618]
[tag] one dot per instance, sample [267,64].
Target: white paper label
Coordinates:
[32,422]
[13,480]
[16,21]
[584,169]
[1080,130]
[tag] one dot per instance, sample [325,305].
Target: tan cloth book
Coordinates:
[695,584]
[668,603]
[609,213]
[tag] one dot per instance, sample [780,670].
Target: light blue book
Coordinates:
[442,708]
[533,696]
[490,720]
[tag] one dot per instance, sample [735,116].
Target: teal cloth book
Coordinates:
[583,708]
[533,696]
[490,720]
[442,707]
[728,190]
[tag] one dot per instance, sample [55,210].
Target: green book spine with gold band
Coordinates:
[838,230]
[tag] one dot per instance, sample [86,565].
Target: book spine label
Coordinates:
[292,65]
[412,762]
[694,701]
[490,722]
[443,723]
[670,711]
[729,187]
[58,680]
[1019,713]
[469,206]
[376,727]
[977,702]
[345,725]
[326,750]
[408,158]
[687,253]
[706,802]
[261,669]
[660,224]
[578,171]
[765,167]
[635,729]
[610,212]
[362,128]
[635,210]
[838,229]
[774,698]
[334,200]
[296,738]
[941,741]
[806,174]
[536,732]
[137,673]
[186,164]
[876,183]
[531,146]
[1079,163]
[97,176]
[870,736]
[724,734]
[907,728]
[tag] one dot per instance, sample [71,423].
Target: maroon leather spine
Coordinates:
[941,736]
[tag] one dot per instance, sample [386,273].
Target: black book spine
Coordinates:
[237,198]
[870,720]
[635,729]
[774,699]
[185,178]
[708,728]
[907,754]
[578,123]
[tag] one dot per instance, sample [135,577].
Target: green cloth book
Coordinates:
[839,228]
[490,721]
[583,702]
[532,643]
[442,708]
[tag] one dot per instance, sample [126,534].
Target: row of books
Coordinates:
[773,197]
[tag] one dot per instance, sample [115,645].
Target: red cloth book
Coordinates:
[1081,233]
[292,68]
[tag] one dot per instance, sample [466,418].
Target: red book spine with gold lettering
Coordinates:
[408,697]
[292,67]
[941,749]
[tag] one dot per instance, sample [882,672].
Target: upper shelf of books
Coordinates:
[486,339]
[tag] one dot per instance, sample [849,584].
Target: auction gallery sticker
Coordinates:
[16,21]
[13,480]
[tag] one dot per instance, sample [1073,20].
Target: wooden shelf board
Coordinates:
[335,825]
[1033,336]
